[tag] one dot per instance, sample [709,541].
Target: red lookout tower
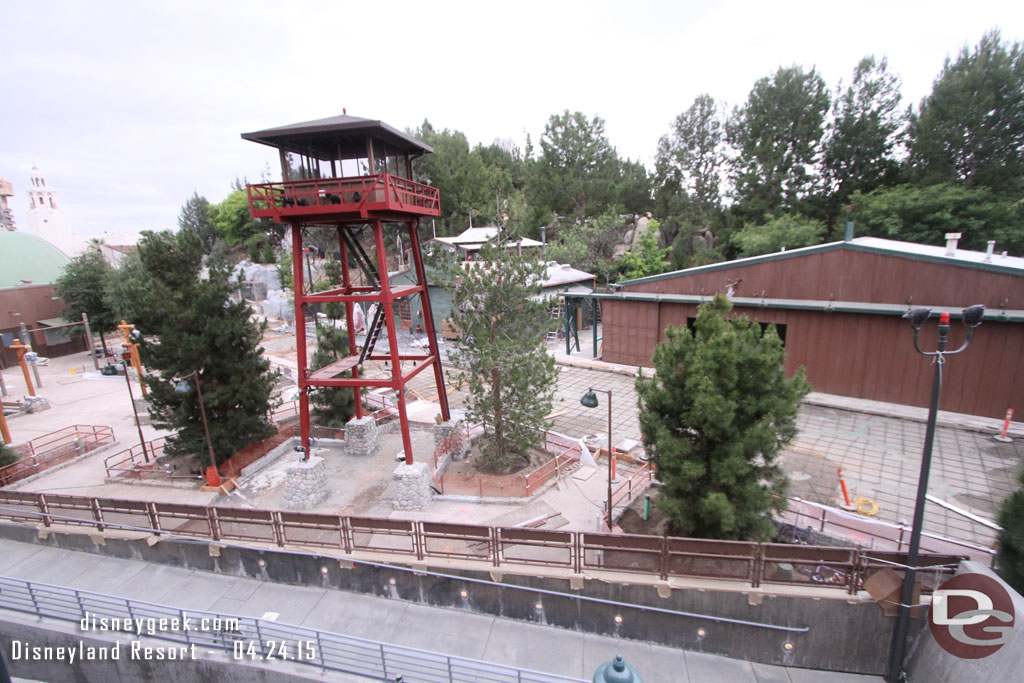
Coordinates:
[353,175]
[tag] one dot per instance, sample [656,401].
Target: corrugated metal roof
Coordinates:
[962,257]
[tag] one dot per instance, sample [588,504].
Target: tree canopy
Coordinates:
[83,286]
[194,326]
[713,419]
[502,323]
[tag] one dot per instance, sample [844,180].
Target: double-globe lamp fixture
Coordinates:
[917,317]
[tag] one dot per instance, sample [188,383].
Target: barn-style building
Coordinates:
[838,307]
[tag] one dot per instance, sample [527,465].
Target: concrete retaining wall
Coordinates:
[846,634]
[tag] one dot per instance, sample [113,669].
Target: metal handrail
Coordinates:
[375,535]
[250,638]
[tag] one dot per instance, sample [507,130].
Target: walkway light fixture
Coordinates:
[589,400]
[917,317]
[183,388]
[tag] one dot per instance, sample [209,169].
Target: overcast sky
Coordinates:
[128,107]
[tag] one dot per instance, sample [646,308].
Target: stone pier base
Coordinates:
[305,484]
[451,439]
[410,486]
[361,436]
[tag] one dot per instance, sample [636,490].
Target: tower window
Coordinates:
[51,203]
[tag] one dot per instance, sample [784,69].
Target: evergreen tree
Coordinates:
[777,136]
[970,129]
[332,406]
[197,215]
[714,418]
[578,169]
[1011,539]
[502,324]
[199,329]
[81,286]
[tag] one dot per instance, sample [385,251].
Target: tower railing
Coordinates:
[352,195]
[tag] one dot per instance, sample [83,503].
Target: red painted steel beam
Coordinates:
[428,321]
[300,336]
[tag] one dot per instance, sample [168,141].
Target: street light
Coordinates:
[589,400]
[126,357]
[917,317]
[183,388]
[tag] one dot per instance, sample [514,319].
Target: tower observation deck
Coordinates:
[353,175]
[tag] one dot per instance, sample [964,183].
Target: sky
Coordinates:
[130,107]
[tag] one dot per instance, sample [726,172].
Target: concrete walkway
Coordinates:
[504,641]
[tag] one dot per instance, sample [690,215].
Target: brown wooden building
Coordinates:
[837,307]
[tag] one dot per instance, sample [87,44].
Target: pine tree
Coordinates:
[197,328]
[332,406]
[714,418]
[1011,538]
[502,323]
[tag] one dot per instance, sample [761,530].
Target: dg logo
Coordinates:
[971,616]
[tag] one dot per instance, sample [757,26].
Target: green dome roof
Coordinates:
[27,257]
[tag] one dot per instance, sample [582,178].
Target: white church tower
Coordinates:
[46,219]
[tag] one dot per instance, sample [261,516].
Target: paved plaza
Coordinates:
[877,445]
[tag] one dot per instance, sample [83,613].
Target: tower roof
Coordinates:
[27,257]
[337,137]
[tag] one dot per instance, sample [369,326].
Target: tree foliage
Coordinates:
[713,419]
[197,215]
[646,257]
[970,129]
[865,133]
[589,246]
[925,213]
[790,231]
[193,326]
[82,287]
[1011,539]
[577,171]
[7,455]
[502,324]
[691,157]
[777,137]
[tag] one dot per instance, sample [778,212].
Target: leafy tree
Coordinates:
[200,329]
[511,377]
[237,226]
[713,419]
[777,137]
[790,231]
[577,171]
[1011,538]
[924,214]
[589,246]
[333,406]
[864,135]
[633,188]
[970,129]
[81,286]
[646,257]
[197,215]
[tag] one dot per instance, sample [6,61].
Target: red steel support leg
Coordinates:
[300,337]
[389,319]
[428,321]
[353,348]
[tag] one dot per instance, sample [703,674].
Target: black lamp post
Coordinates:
[184,388]
[126,357]
[972,318]
[589,400]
